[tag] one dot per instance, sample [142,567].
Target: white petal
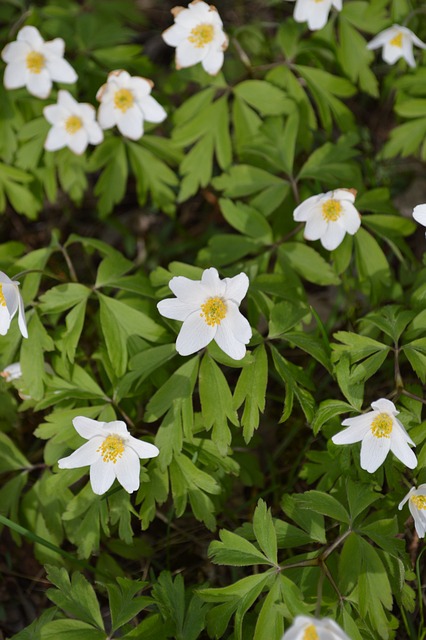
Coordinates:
[407,51]
[4,279]
[54,48]
[67,102]
[102,475]
[4,320]
[196,12]
[333,236]
[212,284]
[39,84]
[187,54]
[116,428]
[83,456]
[140,87]
[15,52]
[343,195]
[87,427]
[57,138]
[15,75]
[61,71]
[373,452]
[356,431]
[143,449]
[12,372]
[78,141]
[384,406]
[95,133]
[401,449]
[213,62]
[419,214]
[236,287]
[11,296]
[301,10]
[32,36]
[127,469]
[152,110]
[318,18]
[175,309]
[315,227]
[189,291]
[21,317]
[194,335]
[382,38]
[391,53]
[351,218]
[107,115]
[419,43]
[55,114]
[130,124]
[304,211]
[174,35]
[407,497]
[226,336]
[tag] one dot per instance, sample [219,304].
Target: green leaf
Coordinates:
[32,356]
[235,551]
[123,604]
[324,503]
[63,297]
[327,410]
[179,385]
[308,263]
[111,185]
[284,316]
[264,531]
[246,219]
[310,521]
[415,352]
[264,97]
[71,630]
[270,624]
[251,389]
[11,458]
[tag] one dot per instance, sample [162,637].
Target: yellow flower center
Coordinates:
[35,62]
[397,40]
[73,124]
[111,448]
[381,426]
[201,35]
[331,210]
[213,311]
[123,100]
[419,501]
[311,632]
[2,298]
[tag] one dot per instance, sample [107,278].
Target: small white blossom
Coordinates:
[126,102]
[111,453]
[417,504]
[329,216]
[11,302]
[11,372]
[34,63]
[397,42]
[307,628]
[314,12]
[198,37]
[419,214]
[73,125]
[209,310]
[380,432]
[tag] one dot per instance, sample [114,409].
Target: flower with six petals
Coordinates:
[417,504]
[380,432]
[11,302]
[34,63]
[314,12]
[111,452]
[397,42]
[198,36]
[209,311]
[73,124]
[329,216]
[307,628]
[126,102]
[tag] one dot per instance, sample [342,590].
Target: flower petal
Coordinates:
[333,236]
[419,214]
[194,335]
[212,284]
[54,48]
[102,475]
[22,323]
[236,287]
[382,38]
[189,291]
[351,218]
[401,449]
[39,84]
[57,138]
[304,210]
[15,75]
[127,469]
[107,115]
[406,498]
[116,427]
[143,449]
[15,52]
[373,452]
[88,428]
[78,141]
[174,35]
[4,320]
[175,309]
[384,406]
[32,36]
[85,455]
[152,110]
[61,71]
[356,431]
[130,124]
[315,227]
[226,336]
[213,62]
[11,295]
[188,54]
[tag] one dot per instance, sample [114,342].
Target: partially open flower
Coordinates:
[11,302]
[209,310]
[198,36]
[380,432]
[111,452]
[314,12]
[307,628]
[73,125]
[417,504]
[329,216]
[34,63]
[126,102]
[397,42]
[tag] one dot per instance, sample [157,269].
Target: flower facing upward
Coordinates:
[73,124]
[126,102]
[315,12]
[11,302]
[111,452]
[417,505]
[198,36]
[328,217]
[380,431]
[209,310]
[34,63]
[306,628]
[397,42]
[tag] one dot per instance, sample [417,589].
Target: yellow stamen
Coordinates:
[35,62]
[397,40]
[318,1]
[213,311]
[331,210]
[2,298]
[310,632]
[201,35]
[381,427]
[111,448]
[123,100]
[419,501]
[73,124]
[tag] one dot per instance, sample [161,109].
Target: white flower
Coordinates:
[306,628]
[397,42]
[126,102]
[329,216]
[380,431]
[34,63]
[74,125]
[209,310]
[419,214]
[198,36]
[10,302]
[11,372]
[417,505]
[315,12]
[111,452]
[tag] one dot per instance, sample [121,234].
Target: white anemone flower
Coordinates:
[329,216]
[11,302]
[397,42]
[419,214]
[209,310]
[126,102]
[198,37]
[34,63]
[380,431]
[111,452]
[73,124]
[307,628]
[315,12]
[417,504]
[11,372]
